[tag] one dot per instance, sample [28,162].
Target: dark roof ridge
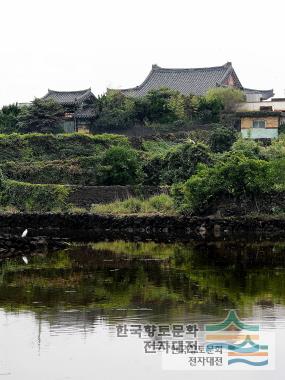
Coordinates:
[266,94]
[159,68]
[253,89]
[69,92]
[69,97]
[156,68]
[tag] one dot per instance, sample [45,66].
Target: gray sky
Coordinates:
[72,44]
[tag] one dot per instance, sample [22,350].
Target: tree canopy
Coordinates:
[9,118]
[42,116]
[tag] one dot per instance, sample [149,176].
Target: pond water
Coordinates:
[62,314]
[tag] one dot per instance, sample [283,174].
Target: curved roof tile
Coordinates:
[196,81]
[265,94]
[68,97]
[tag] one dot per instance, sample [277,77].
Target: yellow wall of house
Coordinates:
[271,121]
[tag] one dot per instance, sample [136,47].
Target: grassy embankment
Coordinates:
[201,172]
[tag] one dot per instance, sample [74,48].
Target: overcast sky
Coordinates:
[75,44]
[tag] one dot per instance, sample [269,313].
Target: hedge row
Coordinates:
[30,197]
[75,171]
[117,165]
[30,147]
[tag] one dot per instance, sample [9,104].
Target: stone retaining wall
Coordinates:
[266,204]
[90,227]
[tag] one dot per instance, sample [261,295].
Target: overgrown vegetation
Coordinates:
[201,166]
[42,116]
[34,166]
[164,107]
[70,159]
[248,170]
[46,147]
[30,197]
[120,166]
[181,162]
[116,112]
[9,118]
[158,204]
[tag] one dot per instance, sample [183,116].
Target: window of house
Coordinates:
[259,124]
[266,108]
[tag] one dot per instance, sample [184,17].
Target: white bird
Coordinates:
[25,259]
[25,233]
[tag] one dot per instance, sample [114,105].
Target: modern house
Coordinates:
[263,124]
[262,119]
[79,108]
[195,81]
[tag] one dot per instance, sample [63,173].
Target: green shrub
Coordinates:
[33,159]
[121,166]
[42,116]
[281,128]
[115,112]
[9,118]
[222,138]
[112,120]
[228,97]
[162,106]
[30,197]
[80,171]
[277,173]
[181,162]
[160,203]
[128,206]
[2,181]
[234,175]
[42,147]
[249,148]
[200,135]
[205,110]
[276,150]
[159,146]
[152,170]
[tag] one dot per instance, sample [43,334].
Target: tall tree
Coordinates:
[42,116]
[9,118]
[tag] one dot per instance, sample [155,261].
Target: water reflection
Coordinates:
[85,290]
[162,281]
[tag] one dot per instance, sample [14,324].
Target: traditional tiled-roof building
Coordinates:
[69,97]
[78,106]
[196,81]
